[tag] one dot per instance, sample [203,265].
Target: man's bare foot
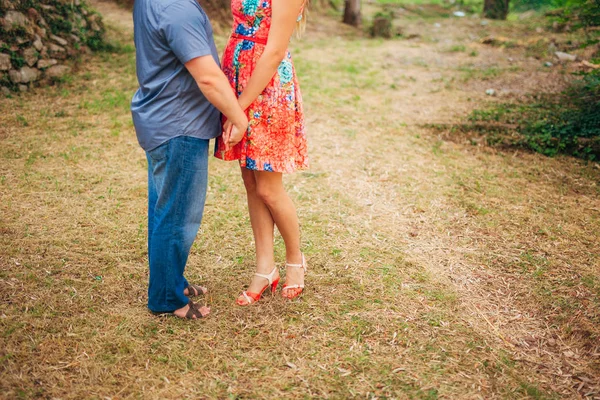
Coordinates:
[192,311]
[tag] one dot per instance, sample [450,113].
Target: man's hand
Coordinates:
[233,133]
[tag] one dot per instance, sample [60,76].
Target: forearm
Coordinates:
[218,91]
[265,69]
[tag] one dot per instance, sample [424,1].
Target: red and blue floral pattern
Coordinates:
[276,137]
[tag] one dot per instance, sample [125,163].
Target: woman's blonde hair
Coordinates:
[301,23]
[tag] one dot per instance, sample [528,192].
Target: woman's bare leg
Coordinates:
[270,191]
[262,228]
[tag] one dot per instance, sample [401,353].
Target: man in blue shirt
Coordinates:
[176,112]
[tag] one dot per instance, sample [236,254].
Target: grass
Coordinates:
[470,72]
[437,269]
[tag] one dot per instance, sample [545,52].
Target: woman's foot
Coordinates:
[260,283]
[294,279]
[192,311]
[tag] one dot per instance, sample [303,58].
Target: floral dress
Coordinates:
[276,137]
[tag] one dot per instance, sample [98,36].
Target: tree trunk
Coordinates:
[352,13]
[495,9]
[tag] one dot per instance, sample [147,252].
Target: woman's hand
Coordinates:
[234,133]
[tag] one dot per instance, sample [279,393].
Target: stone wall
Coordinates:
[39,39]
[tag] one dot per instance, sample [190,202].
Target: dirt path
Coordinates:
[438,269]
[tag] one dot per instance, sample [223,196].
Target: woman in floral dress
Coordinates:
[259,67]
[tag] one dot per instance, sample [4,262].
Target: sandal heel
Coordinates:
[274,286]
[247,298]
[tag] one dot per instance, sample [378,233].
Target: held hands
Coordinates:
[233,133]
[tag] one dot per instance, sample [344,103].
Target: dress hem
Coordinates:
[298,168]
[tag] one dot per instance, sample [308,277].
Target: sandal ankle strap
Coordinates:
[268,277]
[303,265]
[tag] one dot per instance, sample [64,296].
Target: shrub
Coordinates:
[552,124]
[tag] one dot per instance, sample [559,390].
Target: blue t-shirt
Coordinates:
[168,103]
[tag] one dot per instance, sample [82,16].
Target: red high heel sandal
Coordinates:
[287,287]
[247,298]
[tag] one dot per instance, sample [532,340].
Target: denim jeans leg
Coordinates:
[177,174]
[152,198]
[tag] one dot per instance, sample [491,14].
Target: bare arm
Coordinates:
[283,22]
[215,86]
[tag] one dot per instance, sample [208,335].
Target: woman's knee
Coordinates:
[268,194]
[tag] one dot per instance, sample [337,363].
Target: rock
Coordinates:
[7,4]
[25,75]
[29,74]
[59,40]
[459,14]
[14,76]
[484,22]
[57,71]
[42,32]
[437,25]
[5,91]
[490,92]
[539,29]
[565,56]
[33,14]
[37,43]
[93,21]
[21,40]
[23,88]
[14,19]
[54,48]
[587,64]
[47,7]
[42,64]
[30,56]
[75,38]
[4,62]
[382,27]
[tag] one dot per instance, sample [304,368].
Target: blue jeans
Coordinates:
[177,179]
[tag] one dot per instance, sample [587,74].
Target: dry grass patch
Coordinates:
[437,270]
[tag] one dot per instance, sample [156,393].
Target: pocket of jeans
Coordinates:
[195,154]
[159,153]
